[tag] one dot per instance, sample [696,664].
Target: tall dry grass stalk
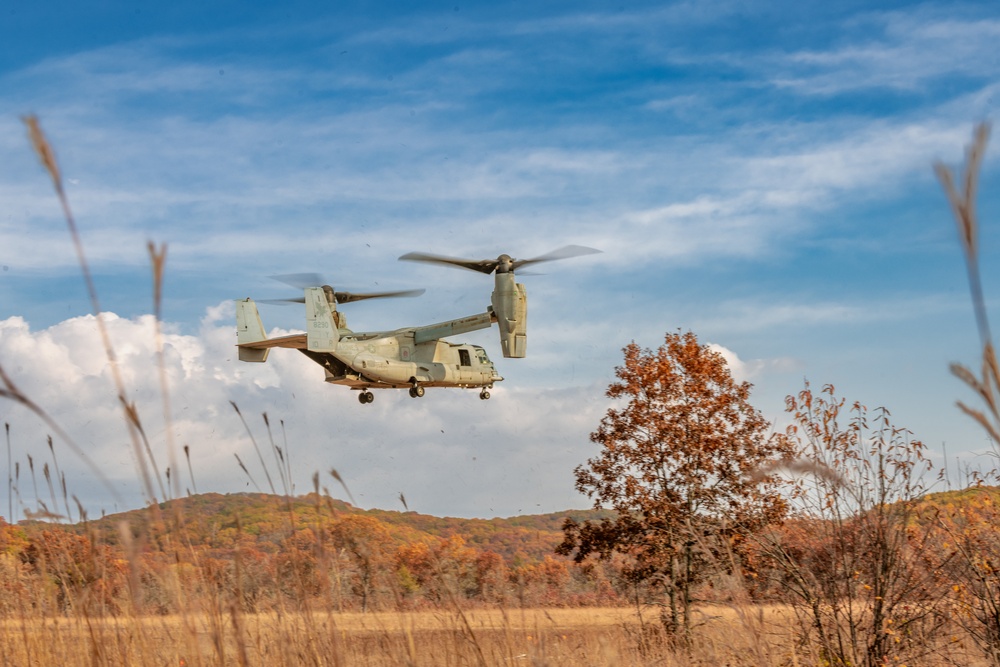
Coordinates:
[46,154]
[963,205]
[976,543]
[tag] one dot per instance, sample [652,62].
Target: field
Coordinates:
[592,636]
[598,637]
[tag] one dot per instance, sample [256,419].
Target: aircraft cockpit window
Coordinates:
[481,355]
[463,358]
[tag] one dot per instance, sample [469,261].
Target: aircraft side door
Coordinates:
[465,372]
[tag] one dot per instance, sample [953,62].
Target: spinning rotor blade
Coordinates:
[486,266]
[503,263]
[282,302]
[304,280]
[347,297]
[560,253]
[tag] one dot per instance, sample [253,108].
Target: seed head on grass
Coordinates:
[187,455]
[42,514]
[10,479]
[255,446]
[799,467]
[336,476]
[277,456]
[44,151]
[247,472]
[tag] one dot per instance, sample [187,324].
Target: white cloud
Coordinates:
[744,371]
[909,51]
[221,186]
[514,452]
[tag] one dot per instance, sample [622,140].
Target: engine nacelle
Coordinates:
[510,305]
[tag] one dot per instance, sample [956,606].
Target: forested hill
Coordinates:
[215,524]
[215,521]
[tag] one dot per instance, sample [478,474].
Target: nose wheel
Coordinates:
[416,391]
[484,395]
[366,397]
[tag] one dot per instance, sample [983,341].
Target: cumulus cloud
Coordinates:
[746,370]
[450,452]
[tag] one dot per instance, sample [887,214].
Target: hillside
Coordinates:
[213,521]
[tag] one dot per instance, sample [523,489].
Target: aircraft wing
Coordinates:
[294,341]
[452,327]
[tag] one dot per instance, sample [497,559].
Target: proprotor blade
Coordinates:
[503,263]
[561,253]
[282,302]
[306,280]
[486,266]
[348,297]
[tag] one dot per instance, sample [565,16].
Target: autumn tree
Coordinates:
[85,575]
[365,543]
[444,569]
[858,579]
[680,463]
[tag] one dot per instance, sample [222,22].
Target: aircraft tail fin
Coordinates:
[322,334]
[249,329]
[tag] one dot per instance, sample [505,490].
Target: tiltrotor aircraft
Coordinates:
[409,358]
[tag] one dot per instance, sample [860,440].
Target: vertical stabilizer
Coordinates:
[249,329]
[321,327]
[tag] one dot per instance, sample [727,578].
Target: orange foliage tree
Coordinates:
[680,463]
[365,543]
[82,573]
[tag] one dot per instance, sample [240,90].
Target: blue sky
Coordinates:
[758,173]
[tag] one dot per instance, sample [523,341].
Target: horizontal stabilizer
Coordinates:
[292,341]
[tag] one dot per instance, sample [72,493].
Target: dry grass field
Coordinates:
[596,637]
[762,636]
[600,637]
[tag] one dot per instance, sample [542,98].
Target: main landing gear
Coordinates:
[366,397]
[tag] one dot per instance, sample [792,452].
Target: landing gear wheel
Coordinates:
[416,392]
[366,397]
[484,395]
